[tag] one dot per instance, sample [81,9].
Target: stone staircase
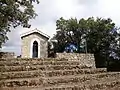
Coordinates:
[55,74]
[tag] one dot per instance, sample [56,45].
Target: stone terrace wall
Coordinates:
[85,59]
[7,54]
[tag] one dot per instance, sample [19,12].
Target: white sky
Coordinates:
[50,10]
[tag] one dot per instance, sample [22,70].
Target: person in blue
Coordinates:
[70,48]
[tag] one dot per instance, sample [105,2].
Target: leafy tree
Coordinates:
[97,35]
[68,31]
[14,13]
[100,38]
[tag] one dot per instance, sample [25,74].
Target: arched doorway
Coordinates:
[35,49]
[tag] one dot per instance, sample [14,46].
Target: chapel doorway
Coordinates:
[35,49]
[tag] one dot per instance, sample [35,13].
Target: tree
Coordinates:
[99,36]
[14,13]
[68,31]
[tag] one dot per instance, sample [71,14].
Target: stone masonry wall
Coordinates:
[84,59]
[7,54]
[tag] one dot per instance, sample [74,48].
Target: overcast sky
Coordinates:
[50,10]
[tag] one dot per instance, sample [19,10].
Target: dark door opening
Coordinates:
[35,49]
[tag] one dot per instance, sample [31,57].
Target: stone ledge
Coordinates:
[83,79]
[7,55]
[52,73]
[85,59]
[41,67]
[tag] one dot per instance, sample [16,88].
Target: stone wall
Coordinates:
[7,54]
[84,59]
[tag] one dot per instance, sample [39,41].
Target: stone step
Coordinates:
[107,85]
[21,74]
[32,59]
[60,73]
[33,62]
[22,88]
[62,80]
[41,67]
[111,85]
[39,73]
[85,79]
[22,82]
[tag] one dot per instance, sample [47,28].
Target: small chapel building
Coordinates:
[34,44]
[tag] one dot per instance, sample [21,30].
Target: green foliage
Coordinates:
[14,13]
[68,32]
[97,35]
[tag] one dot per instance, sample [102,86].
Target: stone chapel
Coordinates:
[34,44]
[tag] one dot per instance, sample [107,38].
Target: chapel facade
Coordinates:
[34,44]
